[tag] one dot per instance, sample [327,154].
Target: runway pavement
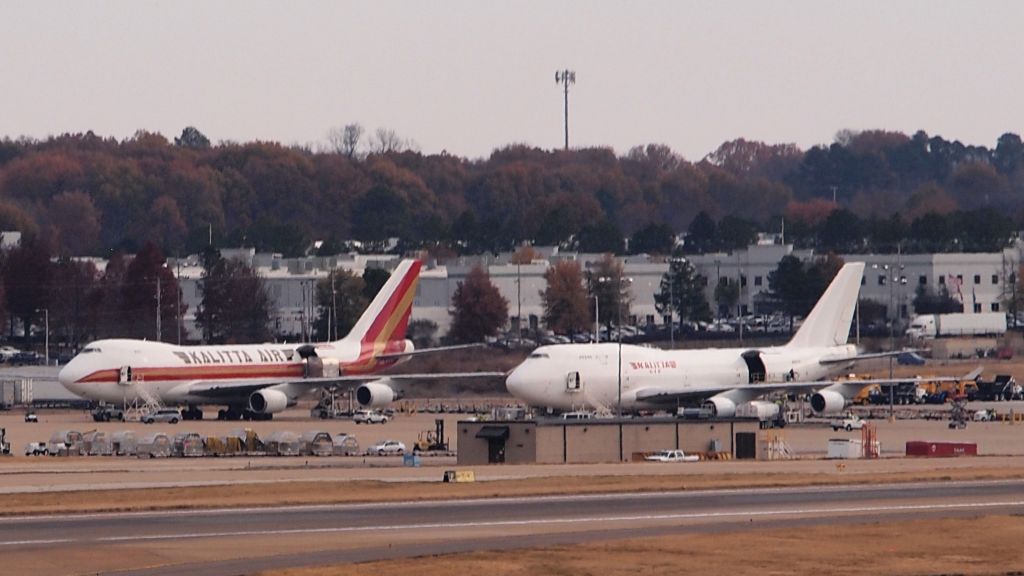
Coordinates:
[252,539]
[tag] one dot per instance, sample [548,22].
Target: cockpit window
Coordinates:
[89,350]
[538,355]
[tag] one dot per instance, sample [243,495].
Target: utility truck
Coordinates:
[851,422]
[672,456]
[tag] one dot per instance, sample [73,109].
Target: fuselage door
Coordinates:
[756,371]
[573,383]
[314,367]
[125,376]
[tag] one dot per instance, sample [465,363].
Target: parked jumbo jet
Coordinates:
[256,381]
[586,376]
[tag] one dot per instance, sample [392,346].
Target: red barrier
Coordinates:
[941,449]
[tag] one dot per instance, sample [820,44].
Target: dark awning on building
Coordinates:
[493,432]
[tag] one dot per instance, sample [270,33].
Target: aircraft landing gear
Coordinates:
[230,413]
[235,413]
[192,413]
[256,416]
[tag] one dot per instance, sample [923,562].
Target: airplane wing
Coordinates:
[234,388]
[848,388]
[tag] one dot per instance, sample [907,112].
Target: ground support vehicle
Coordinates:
[36,449]
[851,422]
[370,417]
[107,413]
[671,456]
[432,441]
[1003,387]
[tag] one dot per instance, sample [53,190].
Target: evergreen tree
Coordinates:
[681,293]
[236,307]
[149,288]
[340,301]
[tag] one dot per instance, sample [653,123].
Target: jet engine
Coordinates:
[827,402]
[268,401]
[377,394]
[720,407]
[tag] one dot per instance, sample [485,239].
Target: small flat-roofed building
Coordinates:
[558,441]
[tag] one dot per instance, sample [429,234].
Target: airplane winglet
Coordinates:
[973,374]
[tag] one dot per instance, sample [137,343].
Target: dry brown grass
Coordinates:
[989,545]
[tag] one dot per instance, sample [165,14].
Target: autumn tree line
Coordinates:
[84,194]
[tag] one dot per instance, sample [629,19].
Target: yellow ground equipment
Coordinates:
[432,440]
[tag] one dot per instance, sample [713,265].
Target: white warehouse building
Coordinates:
[980,281]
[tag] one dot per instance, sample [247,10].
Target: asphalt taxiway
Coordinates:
[251,539]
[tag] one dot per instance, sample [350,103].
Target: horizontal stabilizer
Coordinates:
[873,356]
[393,355]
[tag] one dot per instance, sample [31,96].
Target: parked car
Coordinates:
[387,447]
[8,352]
[162,415]
[369,417]
[26,359]
[671,456]
[36,449]
[31,417]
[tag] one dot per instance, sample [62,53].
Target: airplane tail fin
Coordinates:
[828,324]
[387,317]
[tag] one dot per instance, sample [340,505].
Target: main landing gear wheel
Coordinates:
[229,414]
[193,413]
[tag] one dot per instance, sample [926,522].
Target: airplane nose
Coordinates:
[70,374]
[514,382]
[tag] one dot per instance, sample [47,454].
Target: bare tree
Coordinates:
[387,140]
[345,140]
[350,139]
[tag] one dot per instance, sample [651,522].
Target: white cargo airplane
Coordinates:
[256,381]
[586,376]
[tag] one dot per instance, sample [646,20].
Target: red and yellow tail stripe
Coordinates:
[386,334]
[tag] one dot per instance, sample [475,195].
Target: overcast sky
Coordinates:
[467,77]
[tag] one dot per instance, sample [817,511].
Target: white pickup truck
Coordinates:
[851,422]
[671,456]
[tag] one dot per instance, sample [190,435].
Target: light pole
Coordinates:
[597,321]
[332,330]
[672,298]
[618,309]
[897,276]
[619,280]
[671,305]
[519,303]
[739,302]
[177,281]
[46,335]
[565,78]
[158,332]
